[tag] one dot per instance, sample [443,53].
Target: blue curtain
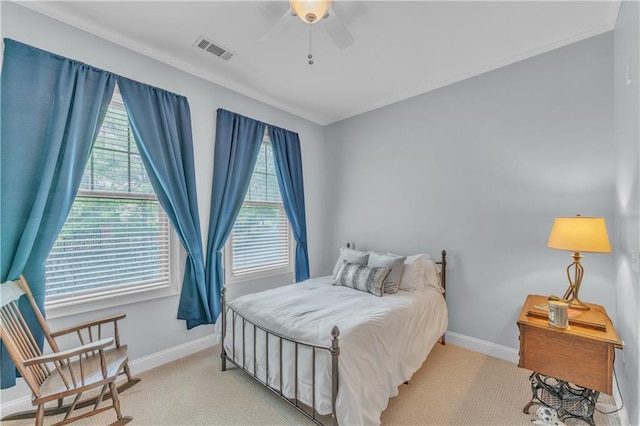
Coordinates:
[161,123]
[238,141]
[52,109]
[288,161]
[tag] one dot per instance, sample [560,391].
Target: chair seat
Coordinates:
[54,387]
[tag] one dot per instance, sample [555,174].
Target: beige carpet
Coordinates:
[455,386]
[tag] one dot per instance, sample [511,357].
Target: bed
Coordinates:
[335,353]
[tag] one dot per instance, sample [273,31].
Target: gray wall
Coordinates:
[627,203]
[481,168]
[151,327]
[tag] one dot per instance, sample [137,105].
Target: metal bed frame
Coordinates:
[333,350]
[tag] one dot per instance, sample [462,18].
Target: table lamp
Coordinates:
[578,234]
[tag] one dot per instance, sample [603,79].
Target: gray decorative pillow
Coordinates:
[396,263]
[351,256]
[363,278]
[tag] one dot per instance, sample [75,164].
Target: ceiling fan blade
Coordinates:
[277,27]
[337,31]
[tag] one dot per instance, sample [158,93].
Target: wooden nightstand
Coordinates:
[571,364]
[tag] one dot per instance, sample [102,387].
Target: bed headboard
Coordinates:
[443,273]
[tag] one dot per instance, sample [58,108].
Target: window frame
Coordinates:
[229,273]
[132,293]
[129,294]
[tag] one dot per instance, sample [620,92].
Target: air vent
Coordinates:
[211,47]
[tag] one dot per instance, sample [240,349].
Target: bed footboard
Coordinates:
[230,315]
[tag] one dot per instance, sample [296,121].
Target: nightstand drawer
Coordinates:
[576,359]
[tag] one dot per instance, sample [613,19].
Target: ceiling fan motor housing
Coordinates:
[310,10]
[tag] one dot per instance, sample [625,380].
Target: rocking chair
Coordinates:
[94,365]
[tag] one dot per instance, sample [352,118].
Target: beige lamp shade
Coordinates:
[310,11]
[580,234]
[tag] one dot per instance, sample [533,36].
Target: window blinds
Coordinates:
[260,237]
[116,234]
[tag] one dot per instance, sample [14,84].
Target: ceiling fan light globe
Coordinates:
[310,11]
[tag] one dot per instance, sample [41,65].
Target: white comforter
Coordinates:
[383,341]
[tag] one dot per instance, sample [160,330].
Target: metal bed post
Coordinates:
[443,278]
[223,353]
[335,353]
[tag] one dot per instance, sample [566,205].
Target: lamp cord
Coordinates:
[614,374]
[619,393]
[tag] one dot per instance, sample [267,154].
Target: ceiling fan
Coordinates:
[312,12]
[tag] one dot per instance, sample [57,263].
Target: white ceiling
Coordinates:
[401,48]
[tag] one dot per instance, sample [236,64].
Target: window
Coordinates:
[117,238]
[260,243]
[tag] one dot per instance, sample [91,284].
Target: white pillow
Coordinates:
[413,273]
[420,272]
[432,275]
[351,256]
[395,262]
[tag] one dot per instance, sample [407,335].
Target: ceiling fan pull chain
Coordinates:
[310,56]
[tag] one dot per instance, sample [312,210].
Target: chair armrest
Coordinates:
[88,324]
[58,356]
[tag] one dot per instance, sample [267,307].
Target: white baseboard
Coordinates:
[511,355]
[484,347]
[165,356]
[140,365]
[16,405]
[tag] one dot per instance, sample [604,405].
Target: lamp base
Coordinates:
[571,295]
[574,303]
